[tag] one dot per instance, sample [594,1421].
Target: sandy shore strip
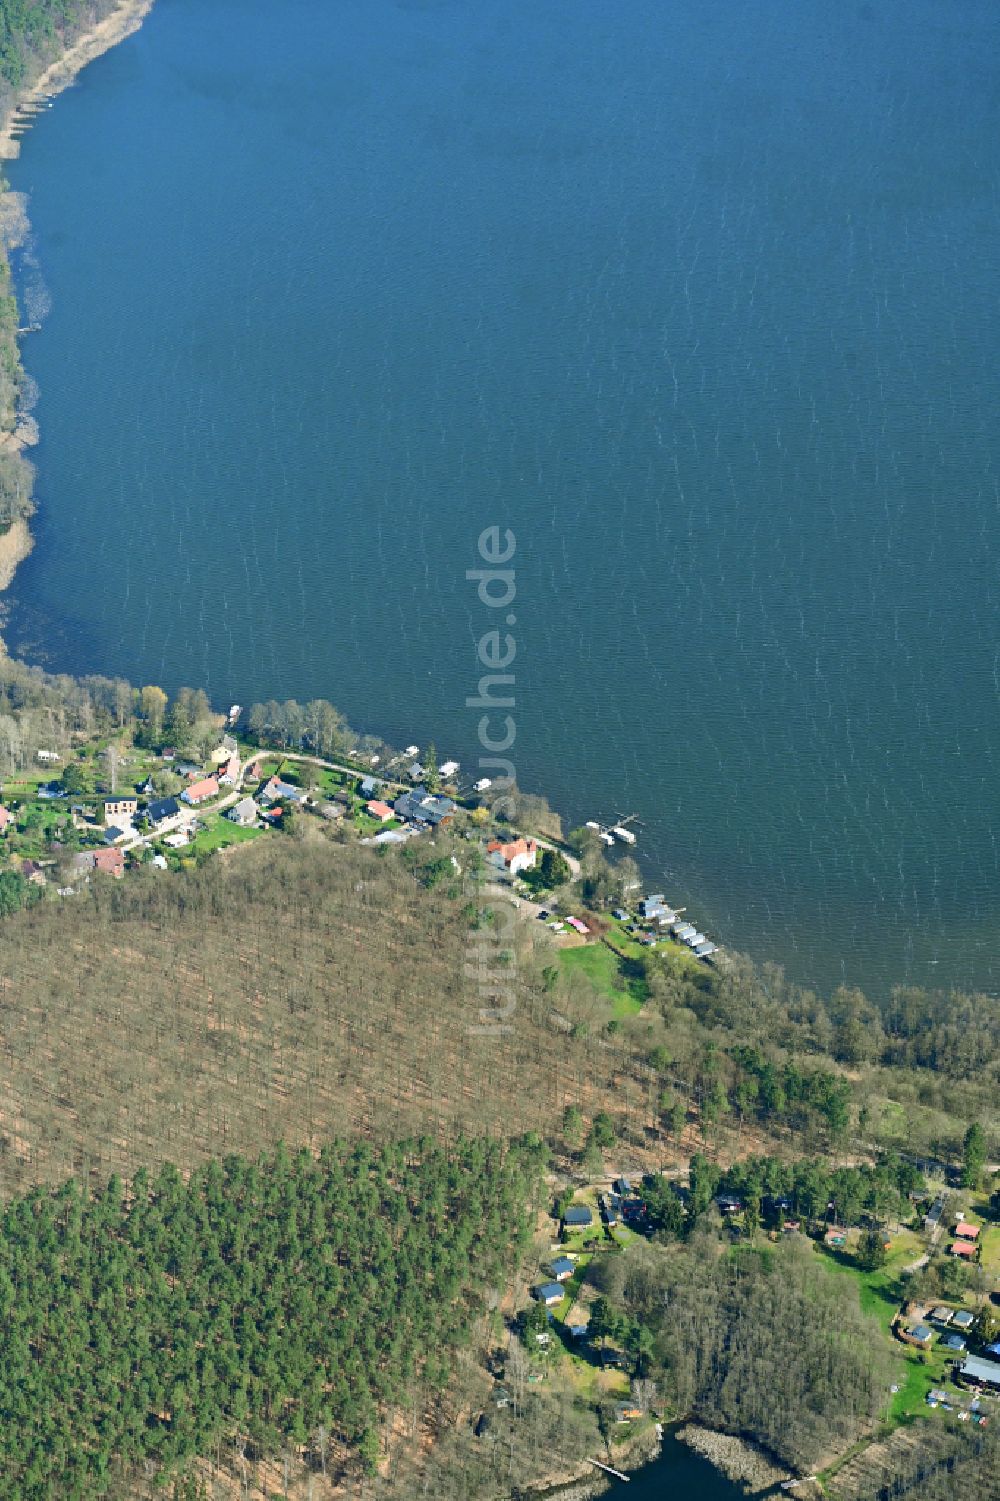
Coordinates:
[737,1459]
[15,545]
[106,34]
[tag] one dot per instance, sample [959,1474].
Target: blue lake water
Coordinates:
[676,1475]
[699,300]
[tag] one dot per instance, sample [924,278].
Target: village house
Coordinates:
[225,750]
[967,1231]
[243,813]
[200,792]
[275,790]
[562,1269]
[578,1217]
[164,808]
[964,1248]
[369,786]
[627,1412]
[120,807]
[379,811]
[230,774]
[110,862]
[518,855]
[549,1293]
[421,806]
[6,819]
[921,1335]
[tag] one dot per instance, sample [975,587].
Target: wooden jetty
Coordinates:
[618,1474]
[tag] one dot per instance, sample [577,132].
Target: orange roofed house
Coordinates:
[111,862]
[200,792]
[379,810]
[520,854]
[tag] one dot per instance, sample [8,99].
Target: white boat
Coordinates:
[625,835]
[482,784]
[607,839]
[590,824]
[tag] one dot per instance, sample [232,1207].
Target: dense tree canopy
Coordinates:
[262,1298]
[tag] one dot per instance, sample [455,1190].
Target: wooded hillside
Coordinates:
[298,992]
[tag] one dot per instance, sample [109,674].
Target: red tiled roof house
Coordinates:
[200,792]
[519,854]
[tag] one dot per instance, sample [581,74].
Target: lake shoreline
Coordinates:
[17,542]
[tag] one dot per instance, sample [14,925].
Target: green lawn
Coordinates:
[610,974]
[882,1293]
[217,834]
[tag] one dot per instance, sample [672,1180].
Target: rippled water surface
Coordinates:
[700,300]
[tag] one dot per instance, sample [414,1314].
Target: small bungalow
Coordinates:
[964,1319]
[517,855]
[932,1218]
[380,811]
[243,813]
[610,1208]
[200,791]
[941,1314]
[562,1268]
[369,786]
[967,1231]
[966,1248]
[549,1293]
[729,1203]
[6,819]
[954,1342]
[627,1412]
[920,1335]
[110,862]
[623,1187]
[578,1217]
